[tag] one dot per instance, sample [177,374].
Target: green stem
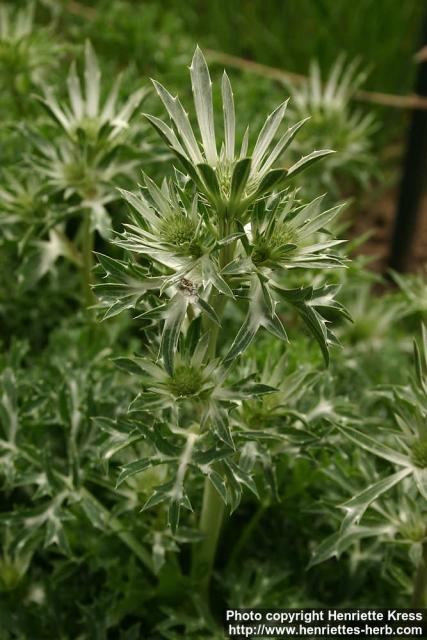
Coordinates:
[420,582]
[87,261]
[218,302]
[210,526]
[212,514]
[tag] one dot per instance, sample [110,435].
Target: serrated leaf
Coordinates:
[375,446]
[339,542]
[128,365]
[357,506]
[181,121]
[133,468]
[161,494]
[282,145]
[267,134]
[242,340]
[219,484]
[209,311]
[221,425]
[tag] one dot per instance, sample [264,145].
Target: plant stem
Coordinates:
[210,525]
[420,581]
[212,507]
[87,260]
[218,302]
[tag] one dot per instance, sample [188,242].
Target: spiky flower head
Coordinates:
[85,118]
[167,225]
[229,178]
[334,121]
[27,52]
[284,233]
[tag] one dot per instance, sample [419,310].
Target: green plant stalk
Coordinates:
[420,580]
[212,513]
[87,260]
[210,526]
[218,302]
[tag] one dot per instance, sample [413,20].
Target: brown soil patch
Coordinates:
[378,219]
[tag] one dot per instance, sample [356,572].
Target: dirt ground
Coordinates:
[378,218]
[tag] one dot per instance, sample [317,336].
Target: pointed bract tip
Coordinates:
[198,57]
[88,46]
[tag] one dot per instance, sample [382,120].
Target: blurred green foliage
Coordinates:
[78,559]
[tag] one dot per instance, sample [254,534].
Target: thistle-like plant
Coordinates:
[23,203]
[405,447]
[231,179]
[413,289]
[335,123]
[204,253]
[56,401]
[85,157]
[85,118]
[27,52]
[397,518]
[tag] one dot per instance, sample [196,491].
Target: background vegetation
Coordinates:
[79,559]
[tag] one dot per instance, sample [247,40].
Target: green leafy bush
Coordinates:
[221,412]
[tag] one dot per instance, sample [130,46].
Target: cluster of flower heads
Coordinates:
[75,169]
[230,221]
[217,237]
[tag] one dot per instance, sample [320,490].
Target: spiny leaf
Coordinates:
[229,117]
[357,506]
[307,161]
[202,92]
[132,468]
[239,179]
[172,329]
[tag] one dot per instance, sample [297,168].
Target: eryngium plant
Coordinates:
[335,122]
[203,250]
[87,153]
[27,52]
[405,449]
